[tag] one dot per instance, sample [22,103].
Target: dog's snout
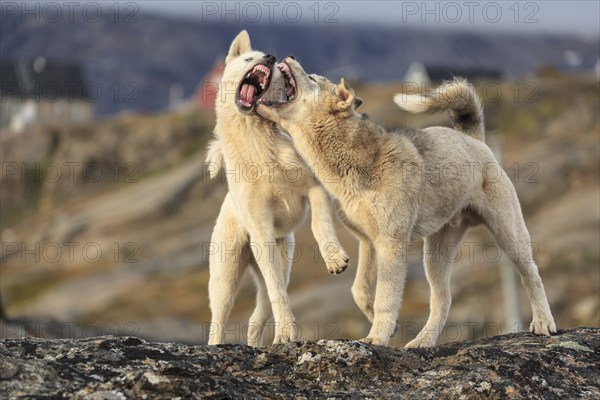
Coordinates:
[270,57]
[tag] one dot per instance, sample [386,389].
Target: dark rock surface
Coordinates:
[565,366]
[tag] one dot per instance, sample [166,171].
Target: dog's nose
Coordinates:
[270,57]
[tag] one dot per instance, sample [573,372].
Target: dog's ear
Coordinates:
[346,95]
[240,45]
[357,102]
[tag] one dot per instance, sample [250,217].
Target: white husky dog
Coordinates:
[269,190]
[374,174]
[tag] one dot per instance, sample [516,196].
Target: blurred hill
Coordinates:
[134,63]
[106,227]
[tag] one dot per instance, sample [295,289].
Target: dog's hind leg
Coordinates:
[363,288]
[502,215]
[226,265]
[262,312]
[438,251]
[286,247]
[270,255]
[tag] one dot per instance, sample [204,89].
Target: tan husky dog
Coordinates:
[388,198]
[269,190]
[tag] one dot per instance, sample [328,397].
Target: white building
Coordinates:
[38,91]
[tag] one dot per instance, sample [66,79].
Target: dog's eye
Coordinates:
[311,78]
[249,59]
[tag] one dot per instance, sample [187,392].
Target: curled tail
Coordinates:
[457,97]
[214,157]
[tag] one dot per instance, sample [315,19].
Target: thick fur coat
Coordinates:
[270,188]
[395,187]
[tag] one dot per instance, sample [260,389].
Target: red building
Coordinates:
[206,93]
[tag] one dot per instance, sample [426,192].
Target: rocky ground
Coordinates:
[522,365]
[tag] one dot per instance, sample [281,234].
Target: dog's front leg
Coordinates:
[274,260]
[391,275]
[323,229]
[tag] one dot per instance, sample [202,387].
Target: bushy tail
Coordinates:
[214,157]
[457,97]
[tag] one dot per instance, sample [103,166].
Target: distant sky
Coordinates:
[581,17]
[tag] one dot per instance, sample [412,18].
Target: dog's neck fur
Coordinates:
[249,132]
[320,141]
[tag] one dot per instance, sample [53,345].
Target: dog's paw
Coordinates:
[286,333]
[255,343]
[254,335]
[543,326]
[375,341]
[336,259]
[282,339]
[419,342]
[254,339]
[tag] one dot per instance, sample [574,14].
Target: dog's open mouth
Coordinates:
[288,79]
[282,88]
[252,87]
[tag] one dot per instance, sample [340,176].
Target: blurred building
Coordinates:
[206,93]
[41,91]
[576,63]
[427,74]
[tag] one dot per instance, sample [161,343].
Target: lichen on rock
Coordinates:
[521,365]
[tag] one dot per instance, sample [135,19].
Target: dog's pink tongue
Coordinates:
[247,93]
